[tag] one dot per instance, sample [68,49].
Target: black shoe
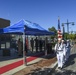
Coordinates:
[58,67]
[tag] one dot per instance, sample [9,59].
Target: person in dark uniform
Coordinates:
[40,44]
[46,45]
[36,44]
[19,47]
[32,44]
[26,45]
[43,41]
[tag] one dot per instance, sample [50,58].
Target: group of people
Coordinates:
[20,46]
[62,49]
[35,44]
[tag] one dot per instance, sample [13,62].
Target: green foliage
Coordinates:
[75,37]
[70,36]
[65,35]
[54,30]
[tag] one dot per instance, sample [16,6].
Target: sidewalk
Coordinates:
[7,67]
[11,66]
[12,71]
[42,67]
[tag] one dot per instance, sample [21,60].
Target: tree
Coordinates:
[72,36]
[66,36]
[75,37]
[53,30]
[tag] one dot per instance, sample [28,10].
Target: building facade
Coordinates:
[4,23]
[4,38]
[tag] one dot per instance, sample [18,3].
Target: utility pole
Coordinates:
[63,31]
[68,23]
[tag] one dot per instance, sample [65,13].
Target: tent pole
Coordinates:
[24,52]
[27,43]
[45,46]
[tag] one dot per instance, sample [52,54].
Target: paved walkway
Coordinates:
[69,67]
[13,63]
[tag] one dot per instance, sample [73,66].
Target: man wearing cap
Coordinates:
[64,51]
[68,47]
[60,51]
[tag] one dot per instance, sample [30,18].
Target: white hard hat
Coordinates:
[67,40]
[62,40]
[59,38]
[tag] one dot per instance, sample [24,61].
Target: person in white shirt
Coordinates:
[60,52]
[68,47]
[64,51]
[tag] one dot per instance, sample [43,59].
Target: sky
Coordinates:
[43,12]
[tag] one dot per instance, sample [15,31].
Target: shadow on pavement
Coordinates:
[70,60]
[63,72]
[50,71]
[40,71]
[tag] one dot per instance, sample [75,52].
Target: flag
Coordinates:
[59,29]
[63,32]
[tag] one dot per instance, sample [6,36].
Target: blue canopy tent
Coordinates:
[25,28]
[40,30]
